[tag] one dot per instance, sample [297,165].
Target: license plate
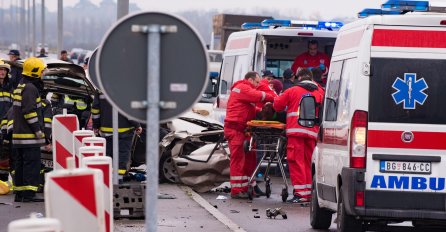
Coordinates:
[405,167]
[47,163]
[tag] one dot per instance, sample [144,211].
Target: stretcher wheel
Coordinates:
[268,189]
[246,145]
[284,194]
[250,192]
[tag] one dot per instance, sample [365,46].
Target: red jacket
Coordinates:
[291,99]
[305,60]
[264,86]
[241,104]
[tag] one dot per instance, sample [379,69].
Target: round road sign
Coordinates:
[122,65]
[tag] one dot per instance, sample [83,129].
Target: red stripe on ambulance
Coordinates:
[392,139]
[409,38]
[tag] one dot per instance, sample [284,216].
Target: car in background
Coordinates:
[74,53]
[40,46]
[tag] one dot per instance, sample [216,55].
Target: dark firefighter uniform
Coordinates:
[102,120]
[28,135]
[5,104]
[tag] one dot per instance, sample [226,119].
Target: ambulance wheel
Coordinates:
[284,194]
[250,192]
[346,223]
[268,189]
[319,218]
[246,145]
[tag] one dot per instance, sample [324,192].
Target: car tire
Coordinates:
[319,218]
[346,223]
[167,170]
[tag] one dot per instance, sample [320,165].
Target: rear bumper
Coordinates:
[390,204]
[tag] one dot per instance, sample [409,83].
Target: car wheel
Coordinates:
[167,170]
[319,218]
[346,223]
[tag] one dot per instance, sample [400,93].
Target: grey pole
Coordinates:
[34,28]
[59,26]
[153,118]
[28,26]
[43,25]
[22,28]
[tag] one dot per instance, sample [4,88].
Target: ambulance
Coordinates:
[271,45]
[381,151]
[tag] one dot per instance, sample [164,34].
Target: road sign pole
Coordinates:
[153,110]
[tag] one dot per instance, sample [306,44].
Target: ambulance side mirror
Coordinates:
[307,112]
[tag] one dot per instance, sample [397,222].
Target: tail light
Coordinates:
[359,199]
[358,139]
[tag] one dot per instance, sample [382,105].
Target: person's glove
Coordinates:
[322,67]
[40,135]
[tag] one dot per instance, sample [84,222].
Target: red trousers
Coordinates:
[242,164]
[299,153]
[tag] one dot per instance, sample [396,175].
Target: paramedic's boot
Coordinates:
[18,196]
[30,196]
[299,200]
[258,191]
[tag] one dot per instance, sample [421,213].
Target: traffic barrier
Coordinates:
[104,164]
[77,142]
[88,151]
[75,198]
[94,141]
[35,224]
[63,126]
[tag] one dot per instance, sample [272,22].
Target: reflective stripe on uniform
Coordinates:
[120,130]
[39,105]
[237,90]
[239,185]
[303,193]
[121,171]
[263,96]
[299,130]
[29,141]
[94,111]
[48,125]
[23,136]
[17,103]
[96,116]
[303,186]
[32,120]
[239,178]
[30,115]
[292,114]
[26,188]
[47,120]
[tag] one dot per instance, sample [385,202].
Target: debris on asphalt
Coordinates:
[256,216]
[215,206]
[221,197]
[255,210]
[166,196]
[5,203]
[234,211]
[273,213]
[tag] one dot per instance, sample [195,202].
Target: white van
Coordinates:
[380,155]
[273,48]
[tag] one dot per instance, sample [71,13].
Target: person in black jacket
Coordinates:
[288,79]
[16,71]
[102,124]
[28,135]
[5,88]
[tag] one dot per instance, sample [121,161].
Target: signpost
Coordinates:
[148,61]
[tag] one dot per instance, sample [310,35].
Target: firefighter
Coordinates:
[241,109]
[5,104]
[28,135]
[102,124]
[301,140]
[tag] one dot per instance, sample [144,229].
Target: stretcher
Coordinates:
[267,137]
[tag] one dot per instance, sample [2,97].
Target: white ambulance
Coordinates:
[274,47]
[381,151]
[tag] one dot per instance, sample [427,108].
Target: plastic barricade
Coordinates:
[77,142]
[63,126]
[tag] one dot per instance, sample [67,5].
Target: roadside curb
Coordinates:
[211,209]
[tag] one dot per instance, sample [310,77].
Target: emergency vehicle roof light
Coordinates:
[369,12]
[248,26]
[330,25]
[276,23]
[405,5]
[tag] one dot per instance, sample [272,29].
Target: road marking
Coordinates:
[212,210]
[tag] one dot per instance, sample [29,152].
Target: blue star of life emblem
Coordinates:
[409,91]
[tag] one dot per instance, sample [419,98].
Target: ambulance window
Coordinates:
[226,74]
[332,92]
[240,68]
[407,91]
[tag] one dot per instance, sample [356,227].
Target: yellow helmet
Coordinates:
[5,65]
[33,67]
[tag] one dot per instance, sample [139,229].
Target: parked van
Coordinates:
[273,47]
[380,156]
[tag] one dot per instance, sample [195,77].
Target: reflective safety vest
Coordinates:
[80,104]
[5,99]
[27,115]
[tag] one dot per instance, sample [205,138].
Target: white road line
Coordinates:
[211,209]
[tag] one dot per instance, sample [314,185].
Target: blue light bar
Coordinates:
[329,25]
[369,12]
[404,6]
[276,23]
[248,26]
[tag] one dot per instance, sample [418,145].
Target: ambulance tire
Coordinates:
[346,223]
[319,218]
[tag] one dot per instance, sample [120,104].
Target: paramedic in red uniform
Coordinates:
[301,140]
[312,59]
[265,86]
[241,109]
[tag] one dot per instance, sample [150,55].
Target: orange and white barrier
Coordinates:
[89,151]
[104,164]
[95,141]
[63,126]
[35,224]
[75,198]
[77,142]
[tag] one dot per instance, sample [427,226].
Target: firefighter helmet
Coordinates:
[33,67]
[3,64]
